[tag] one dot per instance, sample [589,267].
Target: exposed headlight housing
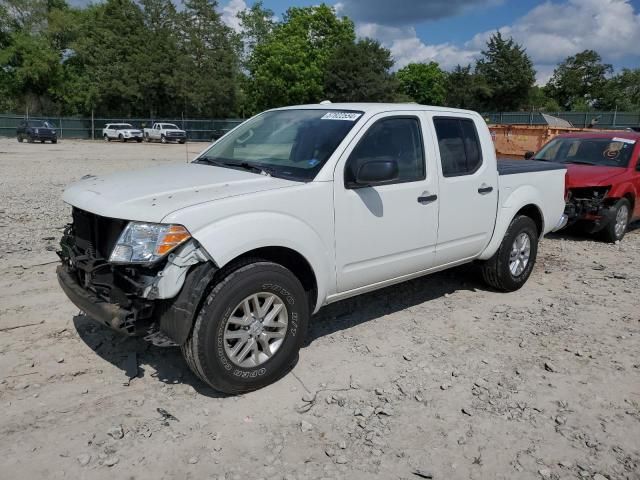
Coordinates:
[147,242]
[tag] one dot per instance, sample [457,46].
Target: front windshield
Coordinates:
[608,152]
[123,126]
[39,124]
[292,144]
[170,126]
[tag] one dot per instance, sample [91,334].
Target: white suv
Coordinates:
[122,132]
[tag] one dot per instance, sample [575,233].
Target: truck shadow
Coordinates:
[168,366]
[357,310]
[138,358]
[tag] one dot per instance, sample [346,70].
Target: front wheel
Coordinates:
[511,266]
[55,140]
[163,139]
[20,138]
[617,227]
[249,329]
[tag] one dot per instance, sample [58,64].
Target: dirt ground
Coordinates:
[435,378]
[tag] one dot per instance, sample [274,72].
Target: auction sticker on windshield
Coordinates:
[345,116]
[624,140]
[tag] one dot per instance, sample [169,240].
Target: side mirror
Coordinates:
[529,155]
[376,172]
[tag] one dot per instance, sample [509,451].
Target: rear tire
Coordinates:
[20,138]
[616,229]
[30,139]
[511,266]
[182,142]
[138,140]
[106,138]
[55,140]
[273,336]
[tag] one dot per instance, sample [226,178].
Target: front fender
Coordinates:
[230,237]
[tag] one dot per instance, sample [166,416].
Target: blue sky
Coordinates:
[453,32]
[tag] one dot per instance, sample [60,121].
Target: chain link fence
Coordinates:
[211,129]
[614,120]
[91,128]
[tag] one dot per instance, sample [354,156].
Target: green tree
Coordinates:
[207,62]
[103,67]
[360,72]
[579,81]
[289,66]
[257,24]
[425,83]
[539,100]
[158,66]
[508,71]
[466,89]
[622,92]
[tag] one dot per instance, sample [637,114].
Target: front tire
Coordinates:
[20,138]
[615,230]
[511,266]
[249,329]
[163,139]
[122,139]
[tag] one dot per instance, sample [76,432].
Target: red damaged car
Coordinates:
[603,179]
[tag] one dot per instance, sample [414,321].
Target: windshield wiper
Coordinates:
[580,162]
[240,165]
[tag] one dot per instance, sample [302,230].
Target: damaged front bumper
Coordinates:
[591,208]
[158,300]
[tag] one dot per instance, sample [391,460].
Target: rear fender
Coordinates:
[520,198]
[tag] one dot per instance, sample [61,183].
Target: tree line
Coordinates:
[148,58]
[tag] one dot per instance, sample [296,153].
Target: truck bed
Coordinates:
[512,167]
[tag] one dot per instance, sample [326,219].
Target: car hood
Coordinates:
[150,195]
[130,130]
[590,175]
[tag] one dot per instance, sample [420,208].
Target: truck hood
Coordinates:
[590,175]
[150,195]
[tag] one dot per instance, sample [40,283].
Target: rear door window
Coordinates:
[460,151]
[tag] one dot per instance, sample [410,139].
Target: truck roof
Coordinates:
[376,107]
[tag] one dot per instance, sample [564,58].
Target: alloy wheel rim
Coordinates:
[520,254]
[622,218]
[255,330]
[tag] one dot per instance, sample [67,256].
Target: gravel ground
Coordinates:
[435,378]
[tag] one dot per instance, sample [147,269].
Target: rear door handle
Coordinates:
[484,189]
[427,199]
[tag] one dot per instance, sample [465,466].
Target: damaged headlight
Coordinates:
[589,193]
[147,242]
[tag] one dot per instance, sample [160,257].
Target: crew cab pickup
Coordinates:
[603,179]
[121,132]
[165,132]
[298,207]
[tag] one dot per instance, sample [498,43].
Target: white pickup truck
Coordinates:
[296,208]
[165,132]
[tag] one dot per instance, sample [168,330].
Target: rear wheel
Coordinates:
[511,266]
[55,140]
[249,329]
[106,138]
[138,140]
[182,142]
[20,138]
[121,138]
[615,230]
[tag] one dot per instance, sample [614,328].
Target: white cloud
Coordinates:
[407,48]
[230,14]
[550,32]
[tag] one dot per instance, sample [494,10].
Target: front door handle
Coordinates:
[427,199]
[484,189]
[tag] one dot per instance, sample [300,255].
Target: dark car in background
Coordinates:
[36,130]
